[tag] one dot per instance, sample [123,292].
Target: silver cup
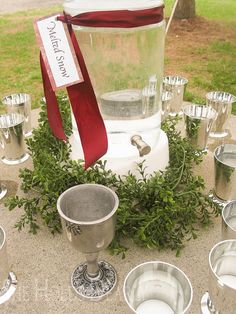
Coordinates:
[177,86]
[166,104]
[222,103]
[12,139]
[157,288]
[221,298]
[3,190]
[8,281]
[20,103]
[198,122]
[225,173]
[88,216]
[229,221]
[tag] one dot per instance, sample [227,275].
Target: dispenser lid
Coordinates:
[75,7]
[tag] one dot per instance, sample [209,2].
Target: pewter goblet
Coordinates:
[88,216]
[221,298]
[222,103]
[157,288]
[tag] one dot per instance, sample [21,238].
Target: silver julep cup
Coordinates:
[88,216]
[177,86]
[166,104]
[229,221]
[157,288]
[222,103]
[20,103]
[198,122]
[222,283]
[8,281]
[12,139]
[225,172]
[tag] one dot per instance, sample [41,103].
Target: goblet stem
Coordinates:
[92,265]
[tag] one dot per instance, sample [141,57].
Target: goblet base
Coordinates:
[15,161]
[219,135]
[95,288]
[9,289]
[206,305]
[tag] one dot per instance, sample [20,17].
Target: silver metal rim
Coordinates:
[87,223]
[206,305]
[3,191]
[9,289]
[164,263]
[94,289]
[216,135]
[214,273]
[15,161]
[184,81]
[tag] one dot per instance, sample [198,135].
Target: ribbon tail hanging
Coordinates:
[54,116]
[89,121]
[85,109]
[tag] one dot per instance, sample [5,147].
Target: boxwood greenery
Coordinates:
[158,211]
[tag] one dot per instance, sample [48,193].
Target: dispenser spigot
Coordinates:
[143,148]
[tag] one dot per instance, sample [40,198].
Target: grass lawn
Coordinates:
[221,10]
[19,66]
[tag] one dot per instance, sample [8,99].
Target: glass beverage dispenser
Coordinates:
[126,69]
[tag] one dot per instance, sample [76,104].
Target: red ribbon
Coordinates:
[83,101]
[54,117]
[90,124]
[116,19]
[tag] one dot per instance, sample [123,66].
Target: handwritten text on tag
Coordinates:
[58,52]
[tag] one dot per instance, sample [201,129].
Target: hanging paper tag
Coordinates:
[58,52]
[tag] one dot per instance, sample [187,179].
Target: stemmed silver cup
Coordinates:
[198,122]
[222,103]
[20,103]
[166,104]
[12,139]
[229,221]
[88,216]
[221,298]
[225,174]
[177,86]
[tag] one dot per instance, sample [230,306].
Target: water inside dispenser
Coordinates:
[125,68]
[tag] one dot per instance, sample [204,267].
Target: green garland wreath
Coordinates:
[160,211]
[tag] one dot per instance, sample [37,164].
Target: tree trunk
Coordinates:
[185,9]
